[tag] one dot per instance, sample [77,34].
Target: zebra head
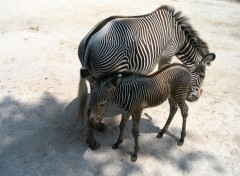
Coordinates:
[198,75]
[101,96]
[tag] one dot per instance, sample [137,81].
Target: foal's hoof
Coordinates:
[95,145]
[159,135]
[101,126]
[180,143]
[134,158]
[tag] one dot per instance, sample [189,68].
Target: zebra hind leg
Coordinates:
[173,110]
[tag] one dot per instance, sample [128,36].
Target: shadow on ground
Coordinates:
[42,139]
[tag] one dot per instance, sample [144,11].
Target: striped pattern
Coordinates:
[139,43]
[133,92]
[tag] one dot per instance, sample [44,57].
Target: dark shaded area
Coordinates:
[237,1]
[42,139]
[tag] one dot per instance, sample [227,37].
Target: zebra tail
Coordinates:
[82,99]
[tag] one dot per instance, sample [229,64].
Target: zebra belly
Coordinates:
[156,98]
[156,101]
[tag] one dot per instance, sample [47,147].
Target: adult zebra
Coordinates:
[138,44]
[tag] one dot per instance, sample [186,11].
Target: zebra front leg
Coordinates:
[89,128]
[122,126]
[184,111]
[173,110]
[135,132]
[166,57]
[92,143]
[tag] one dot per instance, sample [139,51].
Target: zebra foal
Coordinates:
[133,92]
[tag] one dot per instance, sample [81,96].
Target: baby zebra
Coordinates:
[133,92]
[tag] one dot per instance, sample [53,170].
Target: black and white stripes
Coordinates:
[139,43]
[133,92]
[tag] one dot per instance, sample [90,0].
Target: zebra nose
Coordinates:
[193,97]
[200,93]
[197,96]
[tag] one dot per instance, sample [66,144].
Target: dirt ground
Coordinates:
[39,74]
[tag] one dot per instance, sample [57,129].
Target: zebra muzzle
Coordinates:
[194,96]
[94,121]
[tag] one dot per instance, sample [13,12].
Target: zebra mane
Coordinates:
[129,76]
[185,25]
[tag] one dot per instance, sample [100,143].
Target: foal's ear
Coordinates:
[114,82]
[208,58]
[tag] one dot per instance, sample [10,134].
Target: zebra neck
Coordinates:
[192,50]
[124,94]
[190,56]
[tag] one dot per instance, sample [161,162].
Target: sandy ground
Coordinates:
[39,74]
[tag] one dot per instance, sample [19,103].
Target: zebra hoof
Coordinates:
[95,145]
[101,126]
[134,158]
[180,143]
[160,135]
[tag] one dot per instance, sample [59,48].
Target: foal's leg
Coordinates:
[122,126]
[173,110]
[93,144]
[184,110]
[179,97]
[135,131]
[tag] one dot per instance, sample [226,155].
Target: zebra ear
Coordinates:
[208,58]
[115,82]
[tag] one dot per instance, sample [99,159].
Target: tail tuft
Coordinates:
[82,99]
